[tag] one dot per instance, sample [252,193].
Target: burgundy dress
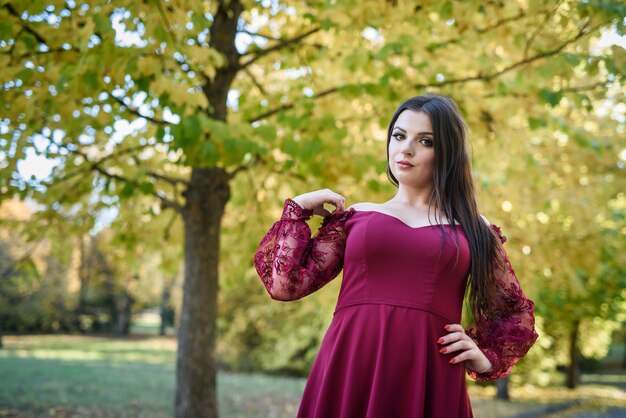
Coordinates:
[401,285]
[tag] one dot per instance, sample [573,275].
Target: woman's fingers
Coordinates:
[459,345]
[453,336]
[454,327]
[315,200]
[465,355]
[457,340]
[339,201]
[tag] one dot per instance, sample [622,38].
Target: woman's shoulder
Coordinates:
[495,228]
[363,206]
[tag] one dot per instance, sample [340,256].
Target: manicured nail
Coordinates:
[443,350]
[451,361]
[440,340]
[447,327]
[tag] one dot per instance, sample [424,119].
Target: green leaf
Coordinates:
[90,79]
[29,40]
[103,25]
[127,190]
[198,21]
[572,59]
[5,31]
[161,34]
[219,130]
[147,187]
[267,132]
[445,10]
[536,123]
[208,153]
[131,67]
[191,131]
[551,97]
[143,83]
[160,133]
[25,74]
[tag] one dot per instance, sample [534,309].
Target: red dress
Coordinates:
[401,285]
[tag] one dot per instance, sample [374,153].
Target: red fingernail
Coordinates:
[447,327]
[443,350]
[440,341]
[451,361]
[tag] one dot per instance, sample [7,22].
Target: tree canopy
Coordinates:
[187,105]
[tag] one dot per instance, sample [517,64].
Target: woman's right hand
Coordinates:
[315,200]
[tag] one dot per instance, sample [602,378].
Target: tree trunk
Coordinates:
[83,276]
[623,358]
[572,370]
[123,317]
[502,387]
[166,309]
[196,388]
[206,197]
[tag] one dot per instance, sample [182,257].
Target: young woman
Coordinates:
[395,346]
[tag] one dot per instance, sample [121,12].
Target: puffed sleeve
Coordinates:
[290,263]
[506,338]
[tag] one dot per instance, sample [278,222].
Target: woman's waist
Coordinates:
[452,314]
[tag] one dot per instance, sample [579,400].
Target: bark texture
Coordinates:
[196,386]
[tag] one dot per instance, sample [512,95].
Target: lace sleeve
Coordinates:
[290,263]
[507,338]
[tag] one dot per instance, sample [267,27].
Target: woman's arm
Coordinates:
[290,263]
[506,338]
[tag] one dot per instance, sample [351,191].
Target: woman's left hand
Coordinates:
[458,340]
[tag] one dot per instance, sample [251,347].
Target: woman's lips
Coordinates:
[404,165]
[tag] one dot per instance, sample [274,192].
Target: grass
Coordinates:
[88,376]
[98,376]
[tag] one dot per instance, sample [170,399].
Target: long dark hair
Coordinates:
[454,196]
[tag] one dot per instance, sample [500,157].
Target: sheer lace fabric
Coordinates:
[292,265]
[507,338]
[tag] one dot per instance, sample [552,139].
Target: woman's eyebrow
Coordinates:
[419,133]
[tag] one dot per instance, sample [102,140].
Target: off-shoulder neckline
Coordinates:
[399,220]
[495,228]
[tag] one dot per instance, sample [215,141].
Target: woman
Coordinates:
[395,346]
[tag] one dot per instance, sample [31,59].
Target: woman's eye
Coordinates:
[398,136]
[426,142]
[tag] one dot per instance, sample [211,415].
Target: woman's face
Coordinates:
[412,140]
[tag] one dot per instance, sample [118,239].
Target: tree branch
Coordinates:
[282,44]
[242,167]
[138,113]
[576,89]
[291,105]
[99,161]
[165,202]
[171,180]
[254,81]
[525,61]
[539,27]
[485,29]
[95,165]
[260,35]
[23,24]
[11,268]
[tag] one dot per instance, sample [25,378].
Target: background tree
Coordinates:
[212,89]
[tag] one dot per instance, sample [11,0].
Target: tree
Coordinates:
[215,89]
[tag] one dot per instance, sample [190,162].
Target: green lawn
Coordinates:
[86,376]
[94,376]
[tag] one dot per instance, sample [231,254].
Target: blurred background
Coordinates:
[146,147]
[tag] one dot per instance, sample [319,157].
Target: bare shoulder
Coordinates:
[485,219]
[363,206]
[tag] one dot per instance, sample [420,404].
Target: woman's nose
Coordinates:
[406,149]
